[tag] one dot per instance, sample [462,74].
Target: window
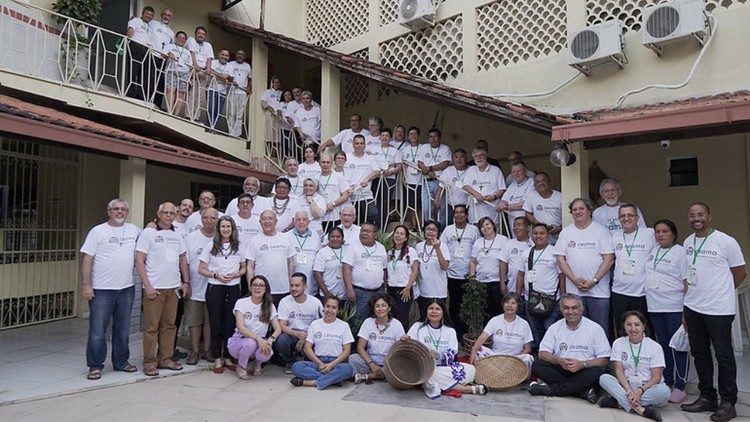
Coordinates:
[683,171]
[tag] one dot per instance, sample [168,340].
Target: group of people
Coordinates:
[268,279]
[182,75]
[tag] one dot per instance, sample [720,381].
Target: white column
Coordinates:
[574,180]
[133,189]
[330,100]
[260,84]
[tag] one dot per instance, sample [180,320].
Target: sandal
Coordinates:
[242,373]
[479,389]
[218,367]
[171,365]
[229,364]
[128,368]
[94,374]
[192,359]
[150,371]
[257,370]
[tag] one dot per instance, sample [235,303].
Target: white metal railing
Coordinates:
[282,140]
[43,44]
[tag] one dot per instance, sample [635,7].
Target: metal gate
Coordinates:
[39,187]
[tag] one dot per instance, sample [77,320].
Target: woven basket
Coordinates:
[501,372]
[408,364]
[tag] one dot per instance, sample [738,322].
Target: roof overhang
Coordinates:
[516,114]
[710,116]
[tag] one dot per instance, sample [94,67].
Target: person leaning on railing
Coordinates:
[203,54]
[177,74]
[138,34]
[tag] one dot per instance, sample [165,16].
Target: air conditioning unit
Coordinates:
[416,14]
[673,21]
[595,45]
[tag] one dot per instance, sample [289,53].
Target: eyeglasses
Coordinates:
[119,209]
[206,198]
[258,286]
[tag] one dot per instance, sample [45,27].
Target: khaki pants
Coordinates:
[197,98]
[158,327]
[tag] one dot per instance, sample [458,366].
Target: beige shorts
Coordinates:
[196,313]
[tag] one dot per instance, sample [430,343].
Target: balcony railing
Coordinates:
[43,44]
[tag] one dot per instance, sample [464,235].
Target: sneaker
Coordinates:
[288,368]
[724,412]
[651,412]
[360,378]
[297,382]
[589,395]
[178,355]
[608,402]
[701,404]
[678,396]
[537,388]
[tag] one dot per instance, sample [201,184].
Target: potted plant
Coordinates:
[75,44]
[472,311]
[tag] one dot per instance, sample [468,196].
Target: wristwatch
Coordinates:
[596,280]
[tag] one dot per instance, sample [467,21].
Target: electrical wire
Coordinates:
[530,95]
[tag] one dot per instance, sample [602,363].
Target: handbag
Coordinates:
[540,305]
[680,341]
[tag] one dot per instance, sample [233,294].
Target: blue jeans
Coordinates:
[284,349]
[428,206]
[665,325]
[657,395]
[363,296]
[115,305]
[309,371]
[215,106]
[597,310]
[539,326]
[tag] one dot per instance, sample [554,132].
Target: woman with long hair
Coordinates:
[253,314]
[223,266]
[434,260]
[309,167]
[402,273]
[375,338]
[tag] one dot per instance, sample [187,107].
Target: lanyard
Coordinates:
[629,249]
[459,236]
[434,153]
[426,255]
[339,257]
[658,259]
[413,153]
[301,245]
[394,262]
[324,186]
[636,358]
[385,152]
[435,343]
[369,255]
[540,255]
[696,251]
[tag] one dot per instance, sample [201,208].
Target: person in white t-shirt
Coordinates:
[334,189]
[327,347]
[452,181]
[283,204]
[413,178]
[177,74]
[296,312]
[510,334]
[608,214]
[513,158]
[223,265]
[544,205]
[364,269]
[196,311]
[716,267]
[292,174]
[402,273]
[513,257]
[140,75]
[637,385]
[220,78]
[184,211]
[313,205]
[516,192]
[485,184]
[206,199]
[242,76]
[375,338]
[269,102]
[161,263]
[203,55]
[389,161]
[585,255]
[485,263]
[268,254]
[305,243]
[251,186]
[372,139]
[328,269]
[541,274]
[666,282]
[309,168]
[434,157]
[248,224]
[344,139]
[632,244]
[108,285]
[572,356]
[351,230]
[434,260]
[361,169]
[161,35]
[307,120]
[460,238]
[253,316]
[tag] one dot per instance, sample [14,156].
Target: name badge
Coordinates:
[340,273]
[384,166]
[300,258]
[459,184]
[458,251]
[652,280]
[692,276]
[530,276]
[370,265]
[628,267]
[413,171]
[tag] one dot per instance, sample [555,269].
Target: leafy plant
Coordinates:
[472,310]
[83,10]
[348,314]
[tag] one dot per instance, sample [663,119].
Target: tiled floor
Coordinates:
[50,359]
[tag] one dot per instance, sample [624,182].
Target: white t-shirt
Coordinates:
[583,250]
[295,191]
[219,68]
[607,217]
[378,344]
[711,291]
[331,187]
[308,122]
[517,193]
[650,355]
[345,138]
[182,59]
[399,270]
[630,269]
[203,51]
[195,243]
[241,73]
[247,228]
[368,263]
[410,157]
[666,270]
[329,339]
[330,264]
[430,156]
[284,210]
[225,262]
[433,282]
[305,248]
[438,340]
[588,341]
[194,222]
[140,31]
[258,206]
[315,224]
[270,255]
[163,249]
[485,182]
[371,142]
[299,316]
[309,171]
[161,34]
[545,210]
[514,253]
[508,338]
[385,157]
[544,272]
[113,249]
[460,243]
[487,253]
[251,315]
[357,170]
[452,181]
